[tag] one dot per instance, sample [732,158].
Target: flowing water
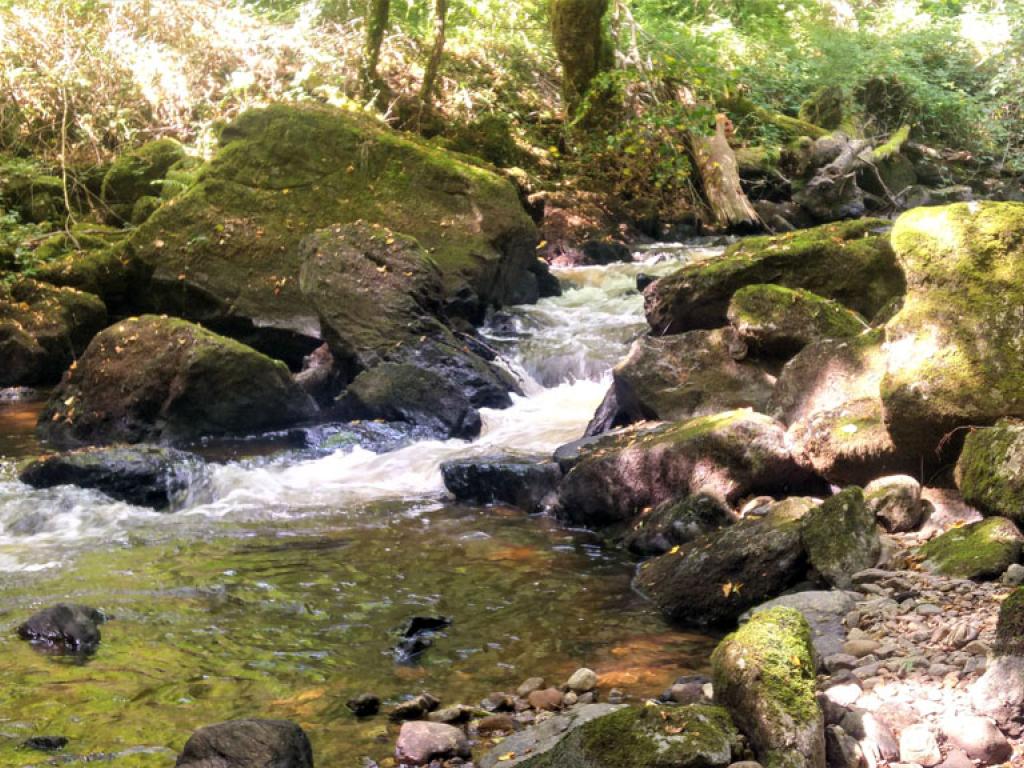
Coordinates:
[279,588]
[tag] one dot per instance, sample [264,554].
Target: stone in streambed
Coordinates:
[248,744]
[979,551]
[715,578]
[415,708]
[364,705]
[918,745]
[160,379]
[522,482]
[764,673]
[681,377]
[546,698]
[978,737]
[675,522]
[731,455]
[145,475]
[841,538]
[46,743]
[64,629]
[420,742]
[583,680]
[895,502]
[824,611]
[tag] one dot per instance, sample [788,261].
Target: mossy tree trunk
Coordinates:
[719,173]
[577,29]
[436,52]
[377,18]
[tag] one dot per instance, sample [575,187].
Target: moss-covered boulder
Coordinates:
[764,674]
[715,578]
[730,455]
[145,475]
[1010,626]
[160,379]
[227,251]
[676,522]
[826,107]
[841,538]
[829,396]
[955,348]
[979,551]
[851,262]
[693,736]
[31,190]
[137,174]
[42,329]
[674,378]
[778,322]
[990,471]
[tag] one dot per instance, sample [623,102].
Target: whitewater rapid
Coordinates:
[562,349]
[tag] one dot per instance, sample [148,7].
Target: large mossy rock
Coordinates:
[42,329]
[160,379]
[828,395]
[730,455]
[145,475]
[693,736]
[764,674]
[31,191]
[955,348]
[990,472]
[676,522]
[978,551]
[137,174]
[841,537]
[778,322]
[227,252]
[851,262]
[674,378]
[714,579]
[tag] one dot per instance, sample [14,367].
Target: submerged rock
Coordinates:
[778,322]
[717,577]
[248,744]
[682,377]
[42,329]
[520,481]
[849,262]
[990,471]
[979,551]
[841,538]
[730,455]
[162,379]
[764,673]
[954,349]
[64,629]
[145,475]
[418,636]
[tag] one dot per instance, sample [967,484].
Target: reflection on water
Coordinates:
[280,591]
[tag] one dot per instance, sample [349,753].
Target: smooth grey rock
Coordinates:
[421,741]
[978,737]
[918,745]
[543,736]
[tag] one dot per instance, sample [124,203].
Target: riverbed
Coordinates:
[278,587]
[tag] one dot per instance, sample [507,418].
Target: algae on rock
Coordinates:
[978,551]
[990,471]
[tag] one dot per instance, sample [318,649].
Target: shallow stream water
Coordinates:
[279,588]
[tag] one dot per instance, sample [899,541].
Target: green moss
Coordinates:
[694,736]
[977,551]
[31,190]
[841,538]
[893,145]
[144,207]
[990,471]
[1010,627]
[826,107]
[138,174]
[764,673]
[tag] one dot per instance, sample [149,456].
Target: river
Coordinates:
[278,586]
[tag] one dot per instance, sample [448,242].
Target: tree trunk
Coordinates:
[436,51]
[376,24]
[577,29]
[832,193]
[719,172]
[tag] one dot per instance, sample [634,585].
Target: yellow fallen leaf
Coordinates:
[507,756]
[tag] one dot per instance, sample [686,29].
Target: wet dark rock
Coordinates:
[144,475]
[415,708]
[715,578]
[498,702]
[520,481]
[45,743]
[64,629]
[418,636]
[248,744]
[364,705]
[161,379]
[400,392]
[643,280]
[675,522]
[841,538]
